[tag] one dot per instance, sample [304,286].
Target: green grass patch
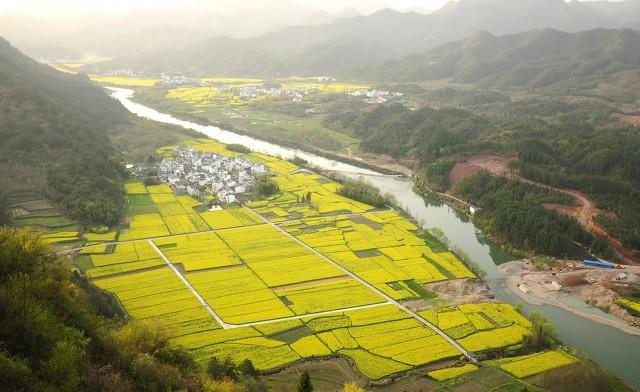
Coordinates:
[52,221]
[84,262]
[363,254]
[433,243]
[291,335]
[142,210]
[140,200]
[418,289]
[167,246]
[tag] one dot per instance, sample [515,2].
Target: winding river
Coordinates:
[610,347]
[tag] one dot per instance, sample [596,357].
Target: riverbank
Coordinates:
[386,165]
[543,289]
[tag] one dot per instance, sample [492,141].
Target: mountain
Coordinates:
[535,59]
[158,28]
[500,17]
[314,49]
[55,131]
[360,41]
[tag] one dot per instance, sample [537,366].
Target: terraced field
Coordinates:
[481,327]
[30,210]
[381,248]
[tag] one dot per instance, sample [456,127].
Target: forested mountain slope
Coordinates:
[553,142]
[534,59]
[55,130]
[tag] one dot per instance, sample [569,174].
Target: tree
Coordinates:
[362,191]
[543,336]
[4,216]
[220,370]
[267,186]
[304,385]
[51,339]
[246,368]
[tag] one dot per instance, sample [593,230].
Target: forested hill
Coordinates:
[533,59]
[54,129]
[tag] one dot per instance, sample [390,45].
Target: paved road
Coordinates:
[373,288]
[225,325]
[327,312]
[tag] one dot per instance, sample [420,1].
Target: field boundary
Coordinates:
[186,282]
[374,289]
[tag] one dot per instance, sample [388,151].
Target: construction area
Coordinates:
[590,289]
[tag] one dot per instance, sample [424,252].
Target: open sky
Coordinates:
[61,8]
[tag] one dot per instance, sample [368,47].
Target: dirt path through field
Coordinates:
[584,211]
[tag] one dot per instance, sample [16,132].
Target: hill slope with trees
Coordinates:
[533,59]
[55,130]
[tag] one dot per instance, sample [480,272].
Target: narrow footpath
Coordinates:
[373,288]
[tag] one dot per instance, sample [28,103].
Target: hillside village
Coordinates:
[203,175]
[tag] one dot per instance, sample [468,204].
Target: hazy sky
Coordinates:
[58,8]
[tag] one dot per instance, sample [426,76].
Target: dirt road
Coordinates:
[584,211]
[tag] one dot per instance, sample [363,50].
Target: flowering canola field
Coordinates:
[481,327]
[272,284]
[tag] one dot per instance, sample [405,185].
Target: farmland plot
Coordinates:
[304,195]
[198,251]
[529,365]
[125,257]
[381,249]
[381,341]
[160,295]
[481,327]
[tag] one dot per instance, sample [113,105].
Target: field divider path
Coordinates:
[301,316]
[390,300]
[186,282]
[154,238]
[337,216]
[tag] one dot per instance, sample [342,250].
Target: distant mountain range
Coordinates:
[361,41]
[534,59]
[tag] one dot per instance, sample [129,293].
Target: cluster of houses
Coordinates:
[206,174]
[255,91]
[172,80]
[298,94]
[373,95]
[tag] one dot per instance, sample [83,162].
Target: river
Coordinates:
[608,346]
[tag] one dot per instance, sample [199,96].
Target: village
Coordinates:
[208,175]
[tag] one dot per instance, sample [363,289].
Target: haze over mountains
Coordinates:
[360,41]
[294,37]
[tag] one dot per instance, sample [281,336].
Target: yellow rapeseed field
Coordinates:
[530,365]
[449,373]
[124,81]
